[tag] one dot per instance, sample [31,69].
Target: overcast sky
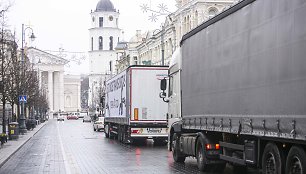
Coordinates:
[65,23]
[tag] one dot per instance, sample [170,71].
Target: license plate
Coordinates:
[154,130]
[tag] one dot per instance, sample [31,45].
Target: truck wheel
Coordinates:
[110,133]
[106,131]
[120,136]
[296,161]
[177,155]
[272,160]
[200,155]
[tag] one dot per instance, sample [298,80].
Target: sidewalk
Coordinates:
[12,146]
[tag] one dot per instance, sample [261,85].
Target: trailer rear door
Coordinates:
[145,104]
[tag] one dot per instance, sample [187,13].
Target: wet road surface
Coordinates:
[72,147]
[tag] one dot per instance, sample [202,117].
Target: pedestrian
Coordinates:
[95,117]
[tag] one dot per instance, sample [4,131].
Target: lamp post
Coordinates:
[22,115]
[163,45]
[93,103]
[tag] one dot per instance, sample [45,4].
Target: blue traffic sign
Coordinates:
[23,98]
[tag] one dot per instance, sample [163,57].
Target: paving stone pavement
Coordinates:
[73,147]
[12,146]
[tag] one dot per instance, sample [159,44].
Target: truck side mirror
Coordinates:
[163,84]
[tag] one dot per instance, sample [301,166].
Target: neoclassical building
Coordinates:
[103,37]
[190,14]
[72,93]
[54,82]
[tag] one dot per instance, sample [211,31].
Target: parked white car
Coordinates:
[86,119]
[82,114]
[60,117]
[99,124]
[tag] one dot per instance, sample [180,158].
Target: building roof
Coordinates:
[105,5]
[121,45]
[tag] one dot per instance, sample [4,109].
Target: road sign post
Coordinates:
[22,99]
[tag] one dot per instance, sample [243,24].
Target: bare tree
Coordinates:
[6,43]
[13,81]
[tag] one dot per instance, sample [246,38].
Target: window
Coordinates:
[117,22]
[91,43]
[111,43]
[100,43]
[68,101]
[100,21]
[111,18]
[110,66]
[135,60]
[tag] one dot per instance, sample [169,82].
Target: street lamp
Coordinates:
[22,116]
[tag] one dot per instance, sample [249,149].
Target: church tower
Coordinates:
[103,38]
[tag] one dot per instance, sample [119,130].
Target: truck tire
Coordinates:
[106,131]
[201,155]
[110,134]
[272,159]
[177,155]
[120,134]
[296,161]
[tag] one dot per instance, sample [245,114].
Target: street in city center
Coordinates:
[72,146]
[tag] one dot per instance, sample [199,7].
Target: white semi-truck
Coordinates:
[237,89]
[133,109]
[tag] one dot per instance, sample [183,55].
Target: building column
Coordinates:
[56,91]
[39,79]
[61,91]
[50,90]
[79,96]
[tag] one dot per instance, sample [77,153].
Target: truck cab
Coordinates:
[174,92]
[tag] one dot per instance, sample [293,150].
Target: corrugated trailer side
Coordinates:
[249,71]
[243,81]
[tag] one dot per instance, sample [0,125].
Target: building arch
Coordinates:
[100,43]
[212,11]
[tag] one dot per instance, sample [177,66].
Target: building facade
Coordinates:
[160,44]
[50,70]
[104,35]
[63,91]
[72,93]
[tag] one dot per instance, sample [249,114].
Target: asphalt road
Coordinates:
[72,147]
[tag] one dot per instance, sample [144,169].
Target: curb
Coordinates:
[21,146]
